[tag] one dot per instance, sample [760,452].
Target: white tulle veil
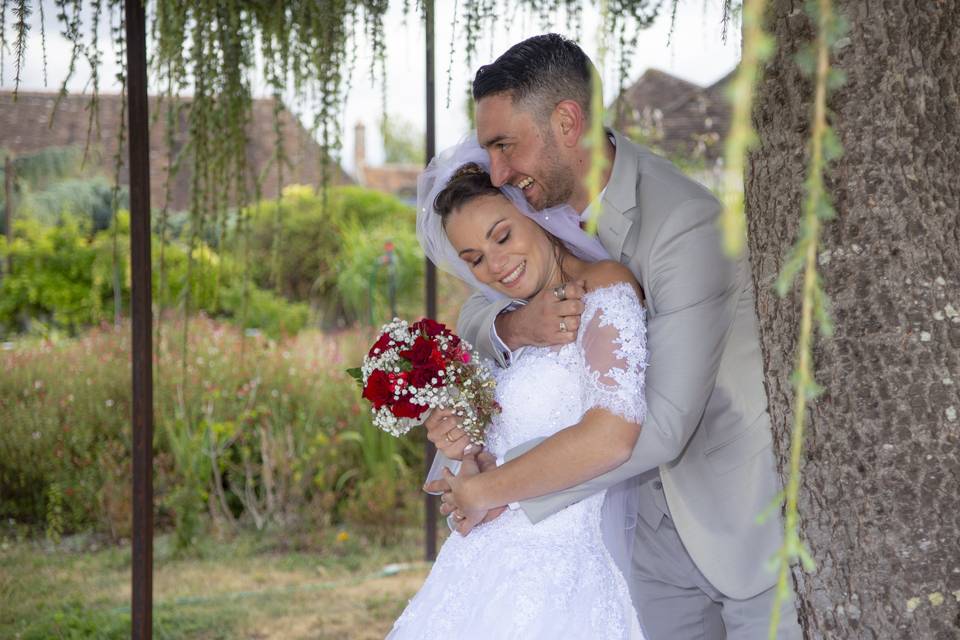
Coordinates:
[620,506]
[562,221]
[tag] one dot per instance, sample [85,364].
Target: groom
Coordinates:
[703,463]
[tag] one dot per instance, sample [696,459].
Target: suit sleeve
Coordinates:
[475,325]
[693,288]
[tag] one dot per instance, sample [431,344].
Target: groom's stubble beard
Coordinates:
[557,178]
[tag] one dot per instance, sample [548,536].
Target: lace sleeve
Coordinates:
[614,347]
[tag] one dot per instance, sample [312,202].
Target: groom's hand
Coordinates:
[546,320]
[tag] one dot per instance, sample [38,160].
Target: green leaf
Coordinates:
[771,508]
[806,559]
[351,436]
[832,148]
[357,374]
[790,270]
[344,478]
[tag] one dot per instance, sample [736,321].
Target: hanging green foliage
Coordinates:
[757,47]
[814,315]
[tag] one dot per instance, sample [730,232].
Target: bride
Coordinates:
[563,577]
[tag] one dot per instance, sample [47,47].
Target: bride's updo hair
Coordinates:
[468,182]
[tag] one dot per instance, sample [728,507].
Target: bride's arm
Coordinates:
[600,442]
[613,346]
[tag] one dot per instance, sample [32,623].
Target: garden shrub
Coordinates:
[303,258]
[250,431]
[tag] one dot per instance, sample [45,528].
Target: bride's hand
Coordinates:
[460,500]
[443,430]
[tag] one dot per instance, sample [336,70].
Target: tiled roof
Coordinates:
[677,116]
[25,126]
[654,90]
[397,179]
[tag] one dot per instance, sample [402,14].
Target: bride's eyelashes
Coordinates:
[502,240]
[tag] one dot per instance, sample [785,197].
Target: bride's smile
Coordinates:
[505,249]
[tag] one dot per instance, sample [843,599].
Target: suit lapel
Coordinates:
[620,198]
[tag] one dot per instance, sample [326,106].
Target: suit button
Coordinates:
[657,485]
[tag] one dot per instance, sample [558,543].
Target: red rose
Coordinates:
[430,327]
[421,353]
[403,408]
[379,389]
[382,344]
[459,353]
[437,359]
[420,377]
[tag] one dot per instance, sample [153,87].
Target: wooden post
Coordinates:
[141,320]
[430,501]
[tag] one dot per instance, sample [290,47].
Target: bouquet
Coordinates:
[413,368]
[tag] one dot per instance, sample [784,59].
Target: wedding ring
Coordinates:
[447,436]
[563,326]
[560,292]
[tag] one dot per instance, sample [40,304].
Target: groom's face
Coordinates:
[524,151]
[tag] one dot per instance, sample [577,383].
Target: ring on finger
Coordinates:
[560,292]
[563,326]
[447,436]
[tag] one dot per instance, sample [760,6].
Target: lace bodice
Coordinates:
[554,579]
[547,389]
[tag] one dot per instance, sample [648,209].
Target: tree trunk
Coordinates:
[880,501]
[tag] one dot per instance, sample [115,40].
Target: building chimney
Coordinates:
[359,151]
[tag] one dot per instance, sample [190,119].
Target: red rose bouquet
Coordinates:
[413,368]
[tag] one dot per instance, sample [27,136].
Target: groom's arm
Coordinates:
[528,322]
[694,288]
[476,326]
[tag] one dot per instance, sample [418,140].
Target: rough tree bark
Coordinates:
[880,503]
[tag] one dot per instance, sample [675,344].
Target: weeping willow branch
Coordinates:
[43,41]
[757,47]
[212,49]
[824,147]
[120,42]
[596,138]
[92,53]
[3,38]
[22,12]
[71,32]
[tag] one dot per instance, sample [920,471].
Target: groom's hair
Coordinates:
[538,74]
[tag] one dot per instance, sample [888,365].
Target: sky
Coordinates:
[696,52]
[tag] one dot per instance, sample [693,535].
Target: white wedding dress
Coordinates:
[555,579]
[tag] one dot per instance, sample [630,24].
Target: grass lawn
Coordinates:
[247,587]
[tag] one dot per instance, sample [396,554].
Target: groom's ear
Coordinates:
[569,122]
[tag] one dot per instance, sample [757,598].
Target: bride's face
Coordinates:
[505,249]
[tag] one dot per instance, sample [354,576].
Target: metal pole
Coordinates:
[431,272]
[141,320]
